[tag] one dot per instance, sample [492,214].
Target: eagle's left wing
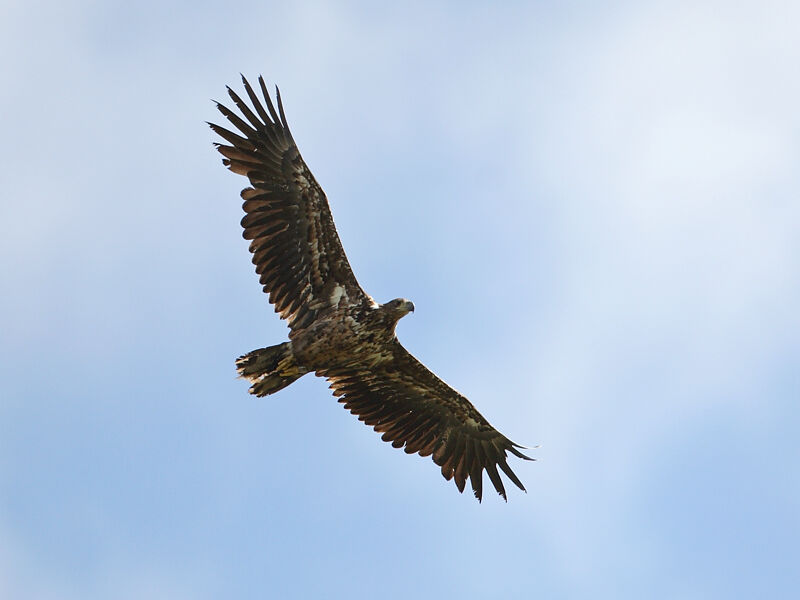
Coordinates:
[412,407]
[295,247]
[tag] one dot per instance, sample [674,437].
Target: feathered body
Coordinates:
[337,330]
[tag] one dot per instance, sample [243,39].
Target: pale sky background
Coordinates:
[596,211]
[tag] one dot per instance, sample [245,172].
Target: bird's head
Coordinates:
[399,307]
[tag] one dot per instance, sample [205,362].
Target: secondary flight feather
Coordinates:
[337,330]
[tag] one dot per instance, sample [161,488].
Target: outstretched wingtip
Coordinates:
[280,108]
[517,453]
[245,81]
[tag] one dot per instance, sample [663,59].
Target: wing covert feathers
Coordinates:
[417,411]
[294,243]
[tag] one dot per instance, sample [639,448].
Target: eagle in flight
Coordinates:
[336,329]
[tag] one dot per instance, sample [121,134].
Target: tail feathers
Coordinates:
[269,369]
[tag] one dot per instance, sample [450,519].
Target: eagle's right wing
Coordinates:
[412,407]
[295,247]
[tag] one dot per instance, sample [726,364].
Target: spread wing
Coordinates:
[295,247]
[412,407]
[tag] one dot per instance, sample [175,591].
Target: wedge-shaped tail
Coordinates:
[269,369]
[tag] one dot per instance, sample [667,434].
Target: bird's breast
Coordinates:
[339,340]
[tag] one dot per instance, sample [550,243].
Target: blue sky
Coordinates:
[595,211]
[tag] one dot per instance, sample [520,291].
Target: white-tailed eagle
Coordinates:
[336,329]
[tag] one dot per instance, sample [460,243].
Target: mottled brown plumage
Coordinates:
[337,330]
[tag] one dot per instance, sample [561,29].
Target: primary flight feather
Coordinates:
[336,329]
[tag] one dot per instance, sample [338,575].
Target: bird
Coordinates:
[336,329]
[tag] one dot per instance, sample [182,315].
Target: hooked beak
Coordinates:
[409,306]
